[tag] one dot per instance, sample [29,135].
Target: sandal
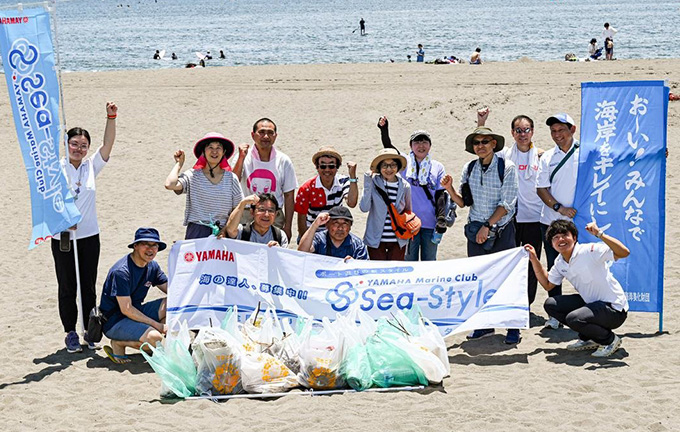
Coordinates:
[118,359]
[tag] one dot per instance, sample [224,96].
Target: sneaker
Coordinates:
[479,334]
[73,342]
[552,323]
[436,238]
[513,337]
[607,350]
[90,345]
[581,345]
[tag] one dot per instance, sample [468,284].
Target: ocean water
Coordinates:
[123,34]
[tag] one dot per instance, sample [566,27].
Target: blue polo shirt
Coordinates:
[126,279]
[352,246]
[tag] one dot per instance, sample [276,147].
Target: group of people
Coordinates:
[595,51]
[518,195]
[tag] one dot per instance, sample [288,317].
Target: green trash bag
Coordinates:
[390,365]
[356,368]
[174,365]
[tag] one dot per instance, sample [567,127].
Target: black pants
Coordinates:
[593,321]
[64,264]
[530,233]
[550,257]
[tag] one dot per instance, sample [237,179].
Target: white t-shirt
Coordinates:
[84,188]
[588,271]
[528,203]
[563,185]
[277,176]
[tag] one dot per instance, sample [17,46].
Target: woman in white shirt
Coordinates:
[81,172]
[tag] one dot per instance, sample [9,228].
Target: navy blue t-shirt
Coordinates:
[352,246]
[126,279]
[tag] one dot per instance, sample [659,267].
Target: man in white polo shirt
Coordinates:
[556,184]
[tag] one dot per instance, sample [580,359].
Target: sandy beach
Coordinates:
[536,385]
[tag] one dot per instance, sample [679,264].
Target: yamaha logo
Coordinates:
[189,257]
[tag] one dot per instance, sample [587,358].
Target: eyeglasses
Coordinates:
[78,147]
[388,166]
[324,166]
[525,130]
[264,210]
[263,132]
[482,142]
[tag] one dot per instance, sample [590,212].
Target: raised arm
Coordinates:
[620,250]
[231,228]
[109,131]
[541,273]
[238,166]
[353,194]
[383,125]
[172,182]
[307,240]
[447,183]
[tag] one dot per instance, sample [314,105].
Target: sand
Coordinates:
[536,385]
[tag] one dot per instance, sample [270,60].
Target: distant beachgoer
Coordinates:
[593,50]
[222,56]
[190,65]
[420,54]
[208,56]
[82,173]
[362,26]
[201,62]
[157,55]
[476,57]
[212,190]
[608,33]
[174,56]
[408,57]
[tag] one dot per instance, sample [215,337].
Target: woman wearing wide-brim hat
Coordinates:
[379,237]
[212,190]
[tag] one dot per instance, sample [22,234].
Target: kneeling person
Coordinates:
[130,322]
[263,210]
[336,240]
[600,305]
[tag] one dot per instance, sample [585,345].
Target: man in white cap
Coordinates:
[556,185]
[129,322]
[325,190]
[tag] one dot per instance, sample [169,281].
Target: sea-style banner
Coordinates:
[28,59]
[622,180]
[207,276]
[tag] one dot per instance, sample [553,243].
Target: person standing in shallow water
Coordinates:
[362,26]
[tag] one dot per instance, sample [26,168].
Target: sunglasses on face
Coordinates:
[482,142]
[324,166]
[522,130]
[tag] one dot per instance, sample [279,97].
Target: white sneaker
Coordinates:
[607,350]
[552,323]
[581,345]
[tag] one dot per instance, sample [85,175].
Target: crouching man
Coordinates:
[261,229]
[600,305]
[130,322]
[336,240]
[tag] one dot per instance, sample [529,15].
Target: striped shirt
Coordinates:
[313,198]
[388,235]
[209,202]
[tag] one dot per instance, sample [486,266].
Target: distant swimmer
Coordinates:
[420,54]
[208,56]
[201,62]
[174,56]
[157,55]
[222,56]
[476,57]
[362,26]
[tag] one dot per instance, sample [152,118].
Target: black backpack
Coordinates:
[248,230]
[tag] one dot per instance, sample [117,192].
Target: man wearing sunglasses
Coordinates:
[525,155]
[263,210]
[325,190]
[492,186]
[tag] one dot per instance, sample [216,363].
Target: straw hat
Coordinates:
[327,151]
[500,141]
[210,137]
[388,153]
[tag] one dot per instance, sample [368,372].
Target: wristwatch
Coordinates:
[557,206]
[353,180]
[487,224]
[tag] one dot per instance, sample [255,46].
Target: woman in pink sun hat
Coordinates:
[212,190]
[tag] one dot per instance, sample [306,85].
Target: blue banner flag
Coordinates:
[28,58]
[622,180]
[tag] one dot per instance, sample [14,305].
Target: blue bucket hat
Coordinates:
[150,235]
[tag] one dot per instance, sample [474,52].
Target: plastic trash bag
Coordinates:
[262,373]
[262,331]
[217,355]
[391,366]
[321,353]
[356,368]
[174,364]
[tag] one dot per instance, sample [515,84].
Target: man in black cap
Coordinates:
[336,240]
[129,322]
